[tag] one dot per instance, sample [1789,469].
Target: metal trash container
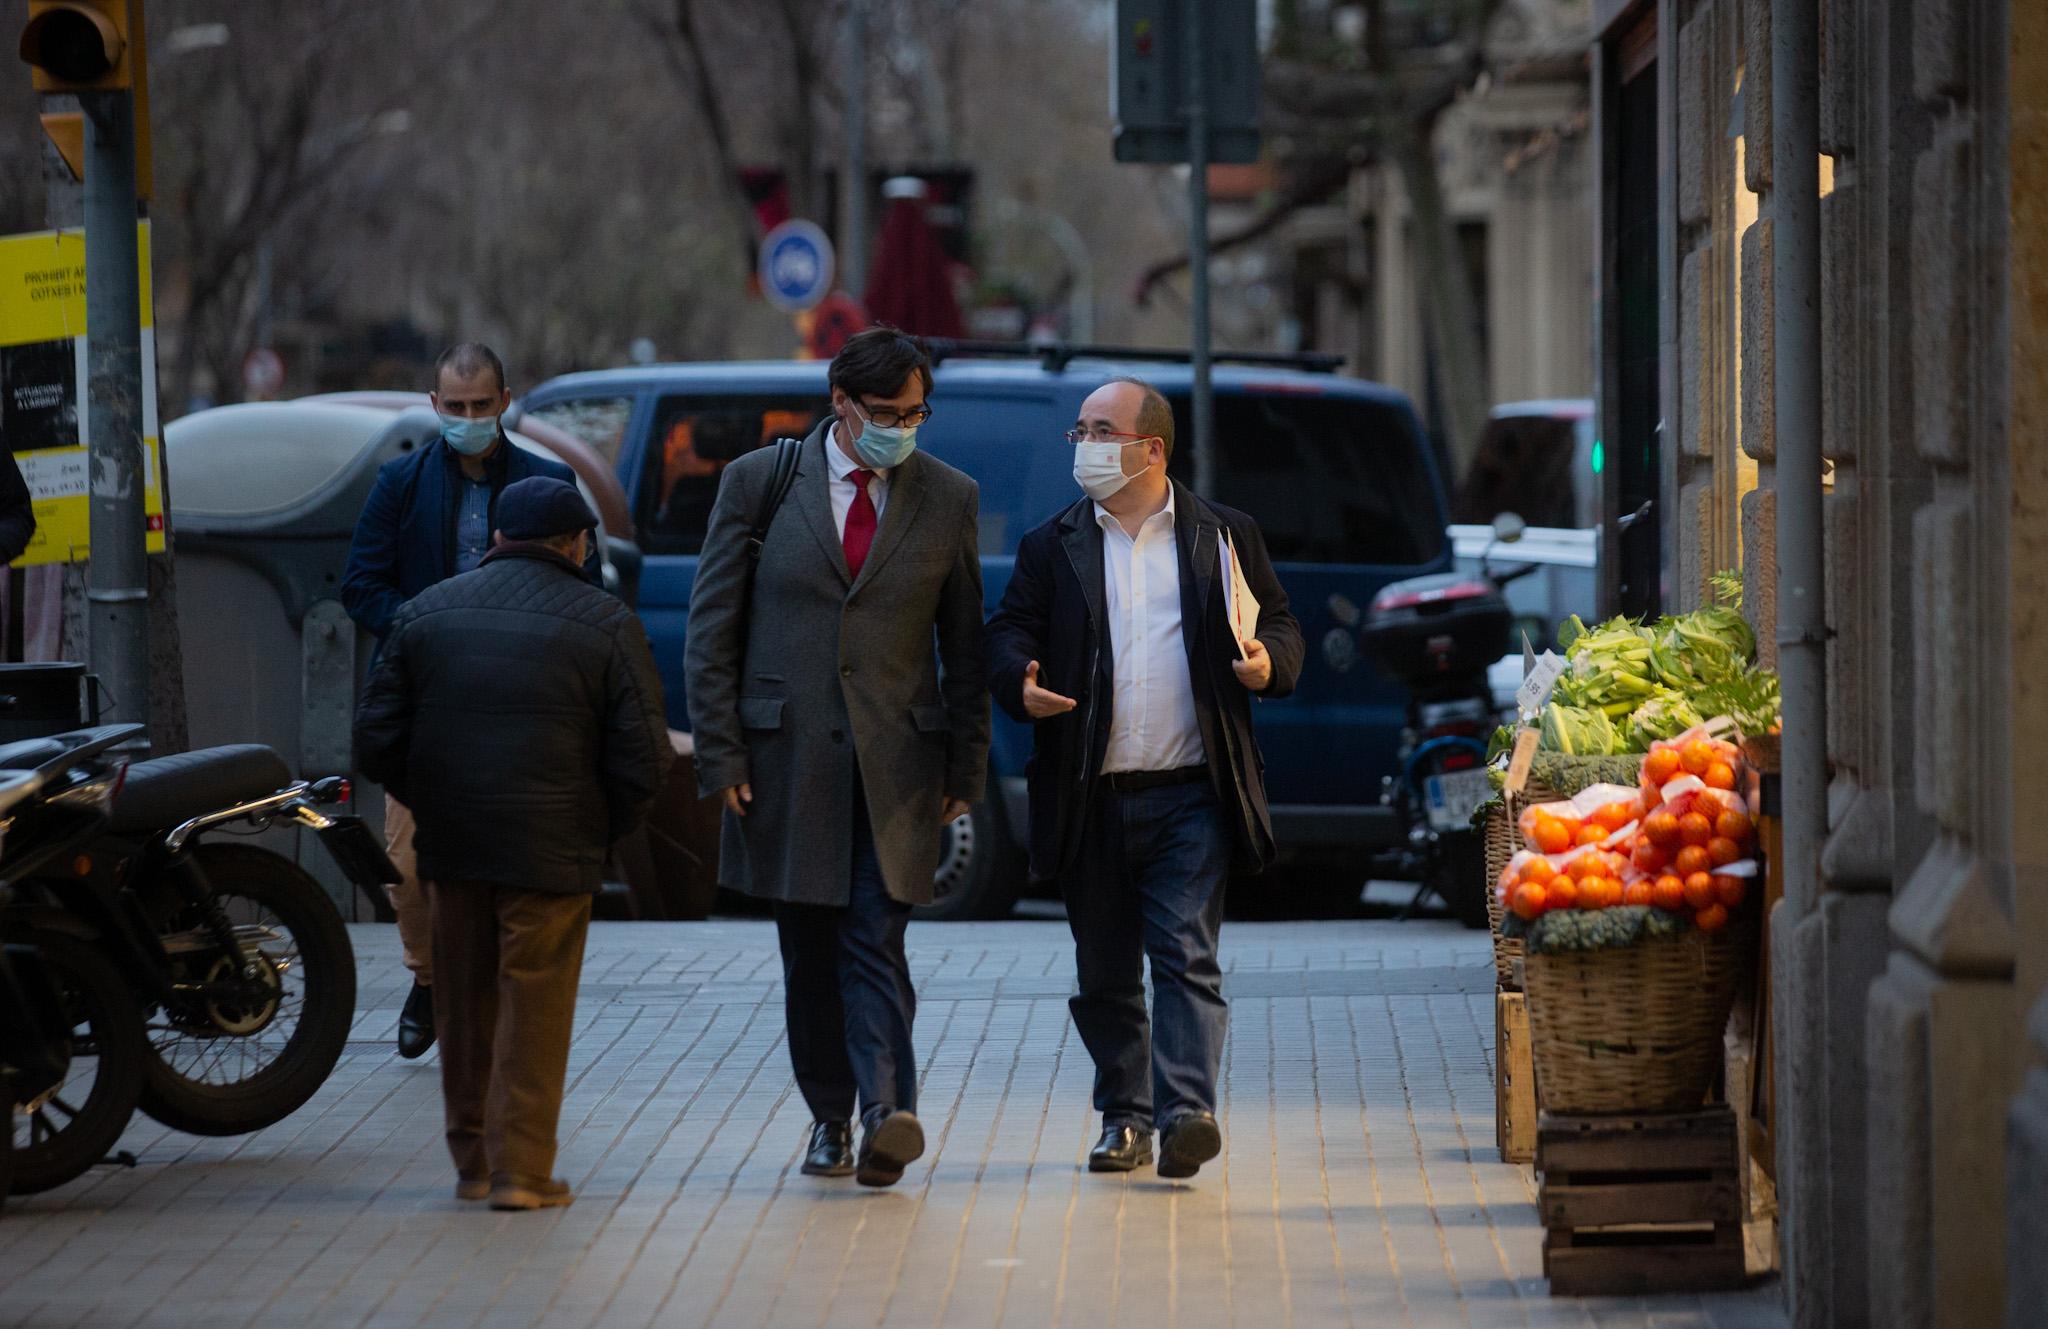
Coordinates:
[264,502]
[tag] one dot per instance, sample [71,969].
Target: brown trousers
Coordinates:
[409,897]
[506,963]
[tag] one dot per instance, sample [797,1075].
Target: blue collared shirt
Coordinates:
[473,525]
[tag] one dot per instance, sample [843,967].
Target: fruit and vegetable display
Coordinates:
[1618,863]
[1628,685]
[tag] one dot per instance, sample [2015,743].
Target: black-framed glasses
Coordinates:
[1106,436]
[890,418]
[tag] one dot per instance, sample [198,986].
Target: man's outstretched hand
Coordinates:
[1039,703]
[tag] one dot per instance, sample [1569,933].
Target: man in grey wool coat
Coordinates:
[840,711]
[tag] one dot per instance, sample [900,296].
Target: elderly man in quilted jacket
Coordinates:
[517,711]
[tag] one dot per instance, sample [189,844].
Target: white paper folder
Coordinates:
[1241,606]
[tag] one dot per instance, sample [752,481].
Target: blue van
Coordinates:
[1335,470]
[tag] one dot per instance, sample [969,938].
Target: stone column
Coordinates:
[1943,1028]
[2026,1178]
[1400,317]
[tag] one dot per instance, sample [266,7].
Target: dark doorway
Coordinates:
[1633,446]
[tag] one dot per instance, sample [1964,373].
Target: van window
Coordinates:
[1328,479]
[598,421]
[1525,464]
[693,440]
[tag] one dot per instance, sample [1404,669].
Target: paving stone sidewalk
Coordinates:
[1359,1184]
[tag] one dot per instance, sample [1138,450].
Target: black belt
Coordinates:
[1131,782]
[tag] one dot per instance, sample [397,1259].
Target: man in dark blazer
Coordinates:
[428,518]
[1146,789]
[823,718]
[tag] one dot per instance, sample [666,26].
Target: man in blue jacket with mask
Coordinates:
[430,517]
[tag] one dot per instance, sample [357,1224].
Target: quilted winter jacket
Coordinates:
[516,710]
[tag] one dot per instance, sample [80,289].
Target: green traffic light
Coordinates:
[1599,456]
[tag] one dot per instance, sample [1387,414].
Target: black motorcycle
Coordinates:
[71,1047]
[1437,635]
[237,957]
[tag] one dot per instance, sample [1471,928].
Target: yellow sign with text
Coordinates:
[45,417]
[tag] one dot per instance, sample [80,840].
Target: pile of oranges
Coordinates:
[1684,842]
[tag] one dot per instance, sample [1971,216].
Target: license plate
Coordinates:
[1451,799]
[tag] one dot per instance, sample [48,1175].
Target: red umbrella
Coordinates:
[911,282]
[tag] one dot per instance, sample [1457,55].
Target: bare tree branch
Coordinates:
[1323,180]
[682,48]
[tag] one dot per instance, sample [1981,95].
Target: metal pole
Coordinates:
[1795,274]
[1198,247]
[853,189]
[117,584]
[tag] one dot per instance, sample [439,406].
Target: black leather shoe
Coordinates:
[831,1151]
[892,1142]
[1188,1141]
[416,1023]
[1123,1147]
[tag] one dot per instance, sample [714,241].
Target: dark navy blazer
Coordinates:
[405,539]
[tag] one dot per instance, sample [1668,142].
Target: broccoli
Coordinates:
[1563,931]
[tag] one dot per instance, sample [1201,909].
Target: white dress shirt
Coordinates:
[842,468]
[1152,708]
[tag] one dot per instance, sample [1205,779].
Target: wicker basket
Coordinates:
[1553,777]
[1501,842]
[1635,1029]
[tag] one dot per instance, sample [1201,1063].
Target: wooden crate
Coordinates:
[1640,1204]
[1514,1079]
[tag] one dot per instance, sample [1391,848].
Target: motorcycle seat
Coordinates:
[160,793]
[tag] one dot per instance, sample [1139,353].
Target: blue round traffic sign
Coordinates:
[796,266]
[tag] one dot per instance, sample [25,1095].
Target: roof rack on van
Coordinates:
[1057,355]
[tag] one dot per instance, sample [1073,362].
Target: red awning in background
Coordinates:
[911,281]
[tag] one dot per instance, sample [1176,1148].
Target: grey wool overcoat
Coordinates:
[823,670]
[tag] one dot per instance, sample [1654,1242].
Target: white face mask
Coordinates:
[1099,468]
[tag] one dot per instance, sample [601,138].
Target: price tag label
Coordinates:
[1518,764]
[1534,694]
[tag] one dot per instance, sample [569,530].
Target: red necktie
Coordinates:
[860,523]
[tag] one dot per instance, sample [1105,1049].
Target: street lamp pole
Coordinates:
[1198,249]
[117,591]
[853,188]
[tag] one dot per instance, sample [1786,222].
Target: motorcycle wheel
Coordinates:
[217,1068]
[1458,876]
[75,1125]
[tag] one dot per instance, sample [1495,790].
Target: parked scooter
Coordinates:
[71,1047]
[238,959]
[1437,635]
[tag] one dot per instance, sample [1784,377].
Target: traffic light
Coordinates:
[89,46]
[78,45]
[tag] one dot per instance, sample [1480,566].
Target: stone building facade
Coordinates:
[1907,975]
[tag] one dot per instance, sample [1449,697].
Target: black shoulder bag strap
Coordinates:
[779,482]
[780,479]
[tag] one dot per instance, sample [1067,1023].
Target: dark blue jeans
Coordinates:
[846,991]
[1148,883]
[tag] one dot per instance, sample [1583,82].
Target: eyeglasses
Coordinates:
[889,418]
[1106,436]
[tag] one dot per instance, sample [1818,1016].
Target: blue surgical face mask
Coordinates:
[880,447]
[471,438]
